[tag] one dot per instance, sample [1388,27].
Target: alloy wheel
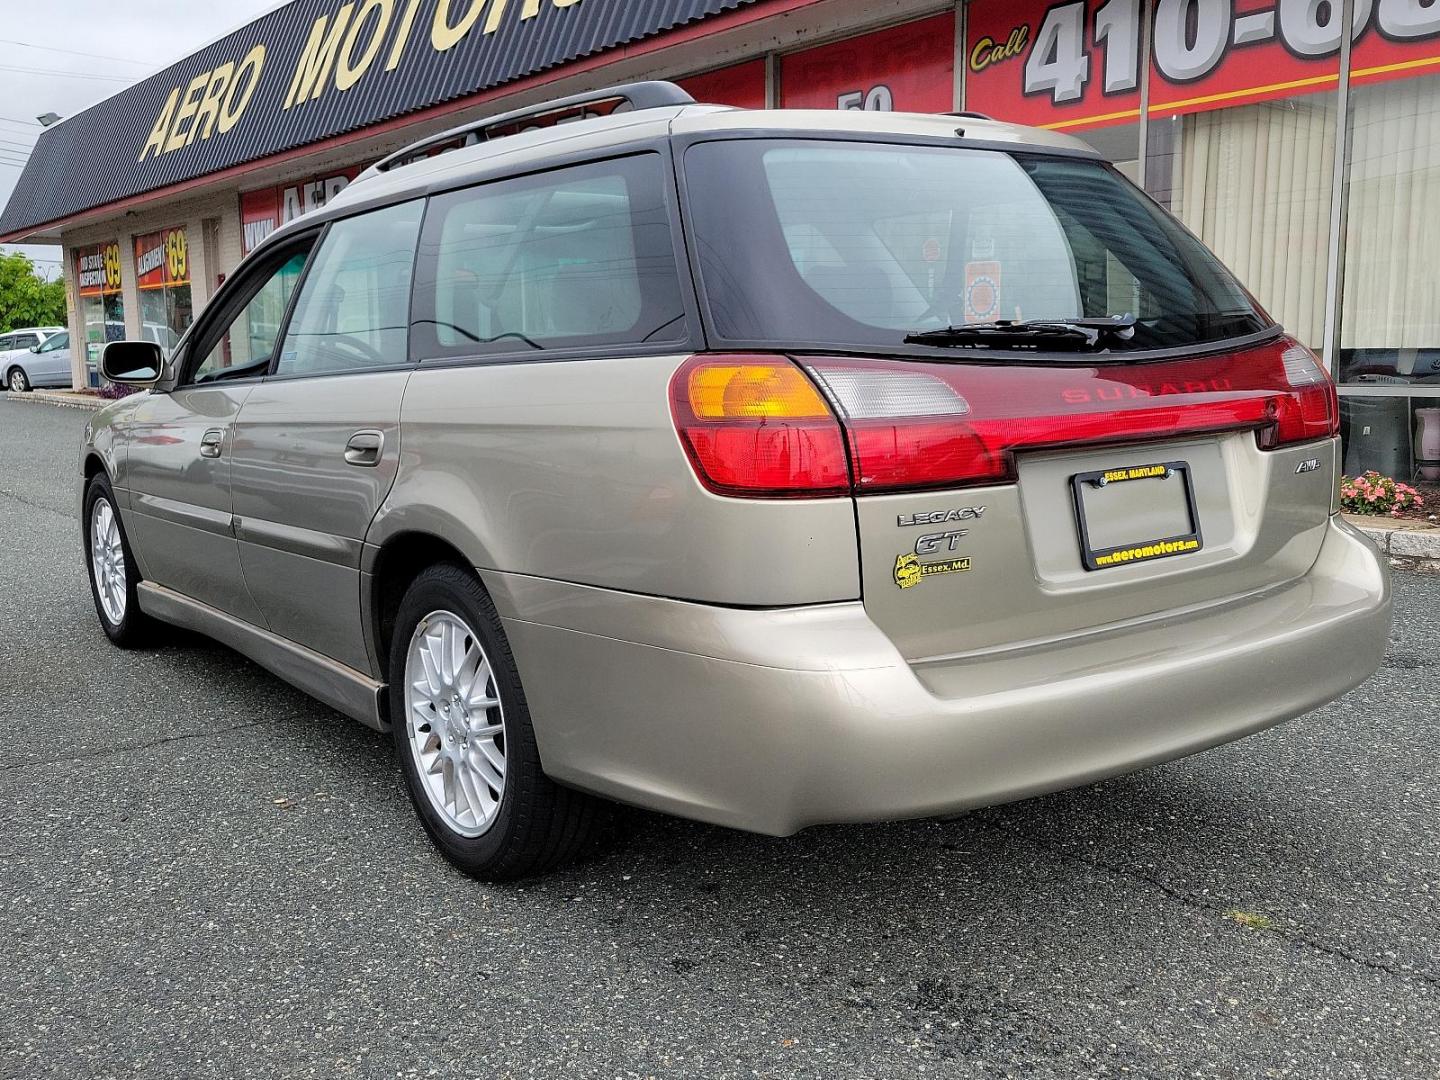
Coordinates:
[107,560]
[455,723]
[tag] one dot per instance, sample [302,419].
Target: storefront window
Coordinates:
[1395,436]
[1390,306]
[102,305]
[908,68]
[162,269]
[1390,313]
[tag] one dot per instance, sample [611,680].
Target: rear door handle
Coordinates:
[364,448]
[211,442]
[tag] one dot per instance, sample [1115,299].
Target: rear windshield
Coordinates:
[850,244]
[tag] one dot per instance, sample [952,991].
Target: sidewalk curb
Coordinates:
[1407,548]
[65,401]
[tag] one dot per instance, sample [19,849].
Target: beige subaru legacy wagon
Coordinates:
[763,468]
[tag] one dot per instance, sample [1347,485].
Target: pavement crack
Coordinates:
[1396,662]
[36,504]
[116,751]
[1295,937]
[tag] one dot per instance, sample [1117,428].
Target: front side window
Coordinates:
[576,257]
[354,308]
[247,342]
[56,342]
[863,244]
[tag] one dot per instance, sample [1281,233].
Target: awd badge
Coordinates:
[910,571]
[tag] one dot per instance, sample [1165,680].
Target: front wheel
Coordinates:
[113,573]
[464,738]
[18,382]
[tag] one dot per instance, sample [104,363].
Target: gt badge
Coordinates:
[910,571]
[933,542]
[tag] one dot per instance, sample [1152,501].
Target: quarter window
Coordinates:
[353,310]
[576,257]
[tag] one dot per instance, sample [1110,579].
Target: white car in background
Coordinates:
[159,333]
[35,356]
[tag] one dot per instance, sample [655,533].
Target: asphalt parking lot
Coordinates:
[204,874]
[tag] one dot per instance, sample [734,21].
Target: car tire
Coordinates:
[114,572]
[17,381]
[457,710]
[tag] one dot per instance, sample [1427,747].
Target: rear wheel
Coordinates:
[18,381]
[113,573]
[464,738]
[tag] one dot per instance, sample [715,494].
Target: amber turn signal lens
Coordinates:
[754,426]
[754,392]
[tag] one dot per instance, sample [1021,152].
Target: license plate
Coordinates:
[1135,514]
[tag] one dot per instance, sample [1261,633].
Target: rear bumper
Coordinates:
[774,720]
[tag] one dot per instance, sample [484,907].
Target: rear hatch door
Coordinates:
[1073,499]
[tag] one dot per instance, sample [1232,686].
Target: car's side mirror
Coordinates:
[132,363]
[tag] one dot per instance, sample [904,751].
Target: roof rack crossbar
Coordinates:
[638,95]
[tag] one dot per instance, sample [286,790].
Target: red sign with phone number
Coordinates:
[1078,64]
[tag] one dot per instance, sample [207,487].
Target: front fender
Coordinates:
[106,440]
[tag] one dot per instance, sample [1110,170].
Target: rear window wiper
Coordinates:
[1074,334]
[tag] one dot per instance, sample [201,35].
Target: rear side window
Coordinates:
[354,305]
[577,257]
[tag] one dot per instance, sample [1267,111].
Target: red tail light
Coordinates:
[756,425]
[1277,390]
[751,429]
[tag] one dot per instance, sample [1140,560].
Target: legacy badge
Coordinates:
[940,517]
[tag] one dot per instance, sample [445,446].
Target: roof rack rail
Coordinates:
[969,115]
[637,95]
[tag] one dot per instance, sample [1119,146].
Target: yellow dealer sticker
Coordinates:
[1141,552]
[910,571]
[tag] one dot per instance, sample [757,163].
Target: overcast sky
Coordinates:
[61,56]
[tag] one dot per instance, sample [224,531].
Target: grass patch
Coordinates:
[1250,919]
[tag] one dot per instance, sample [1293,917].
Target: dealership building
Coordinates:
[1308,158]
